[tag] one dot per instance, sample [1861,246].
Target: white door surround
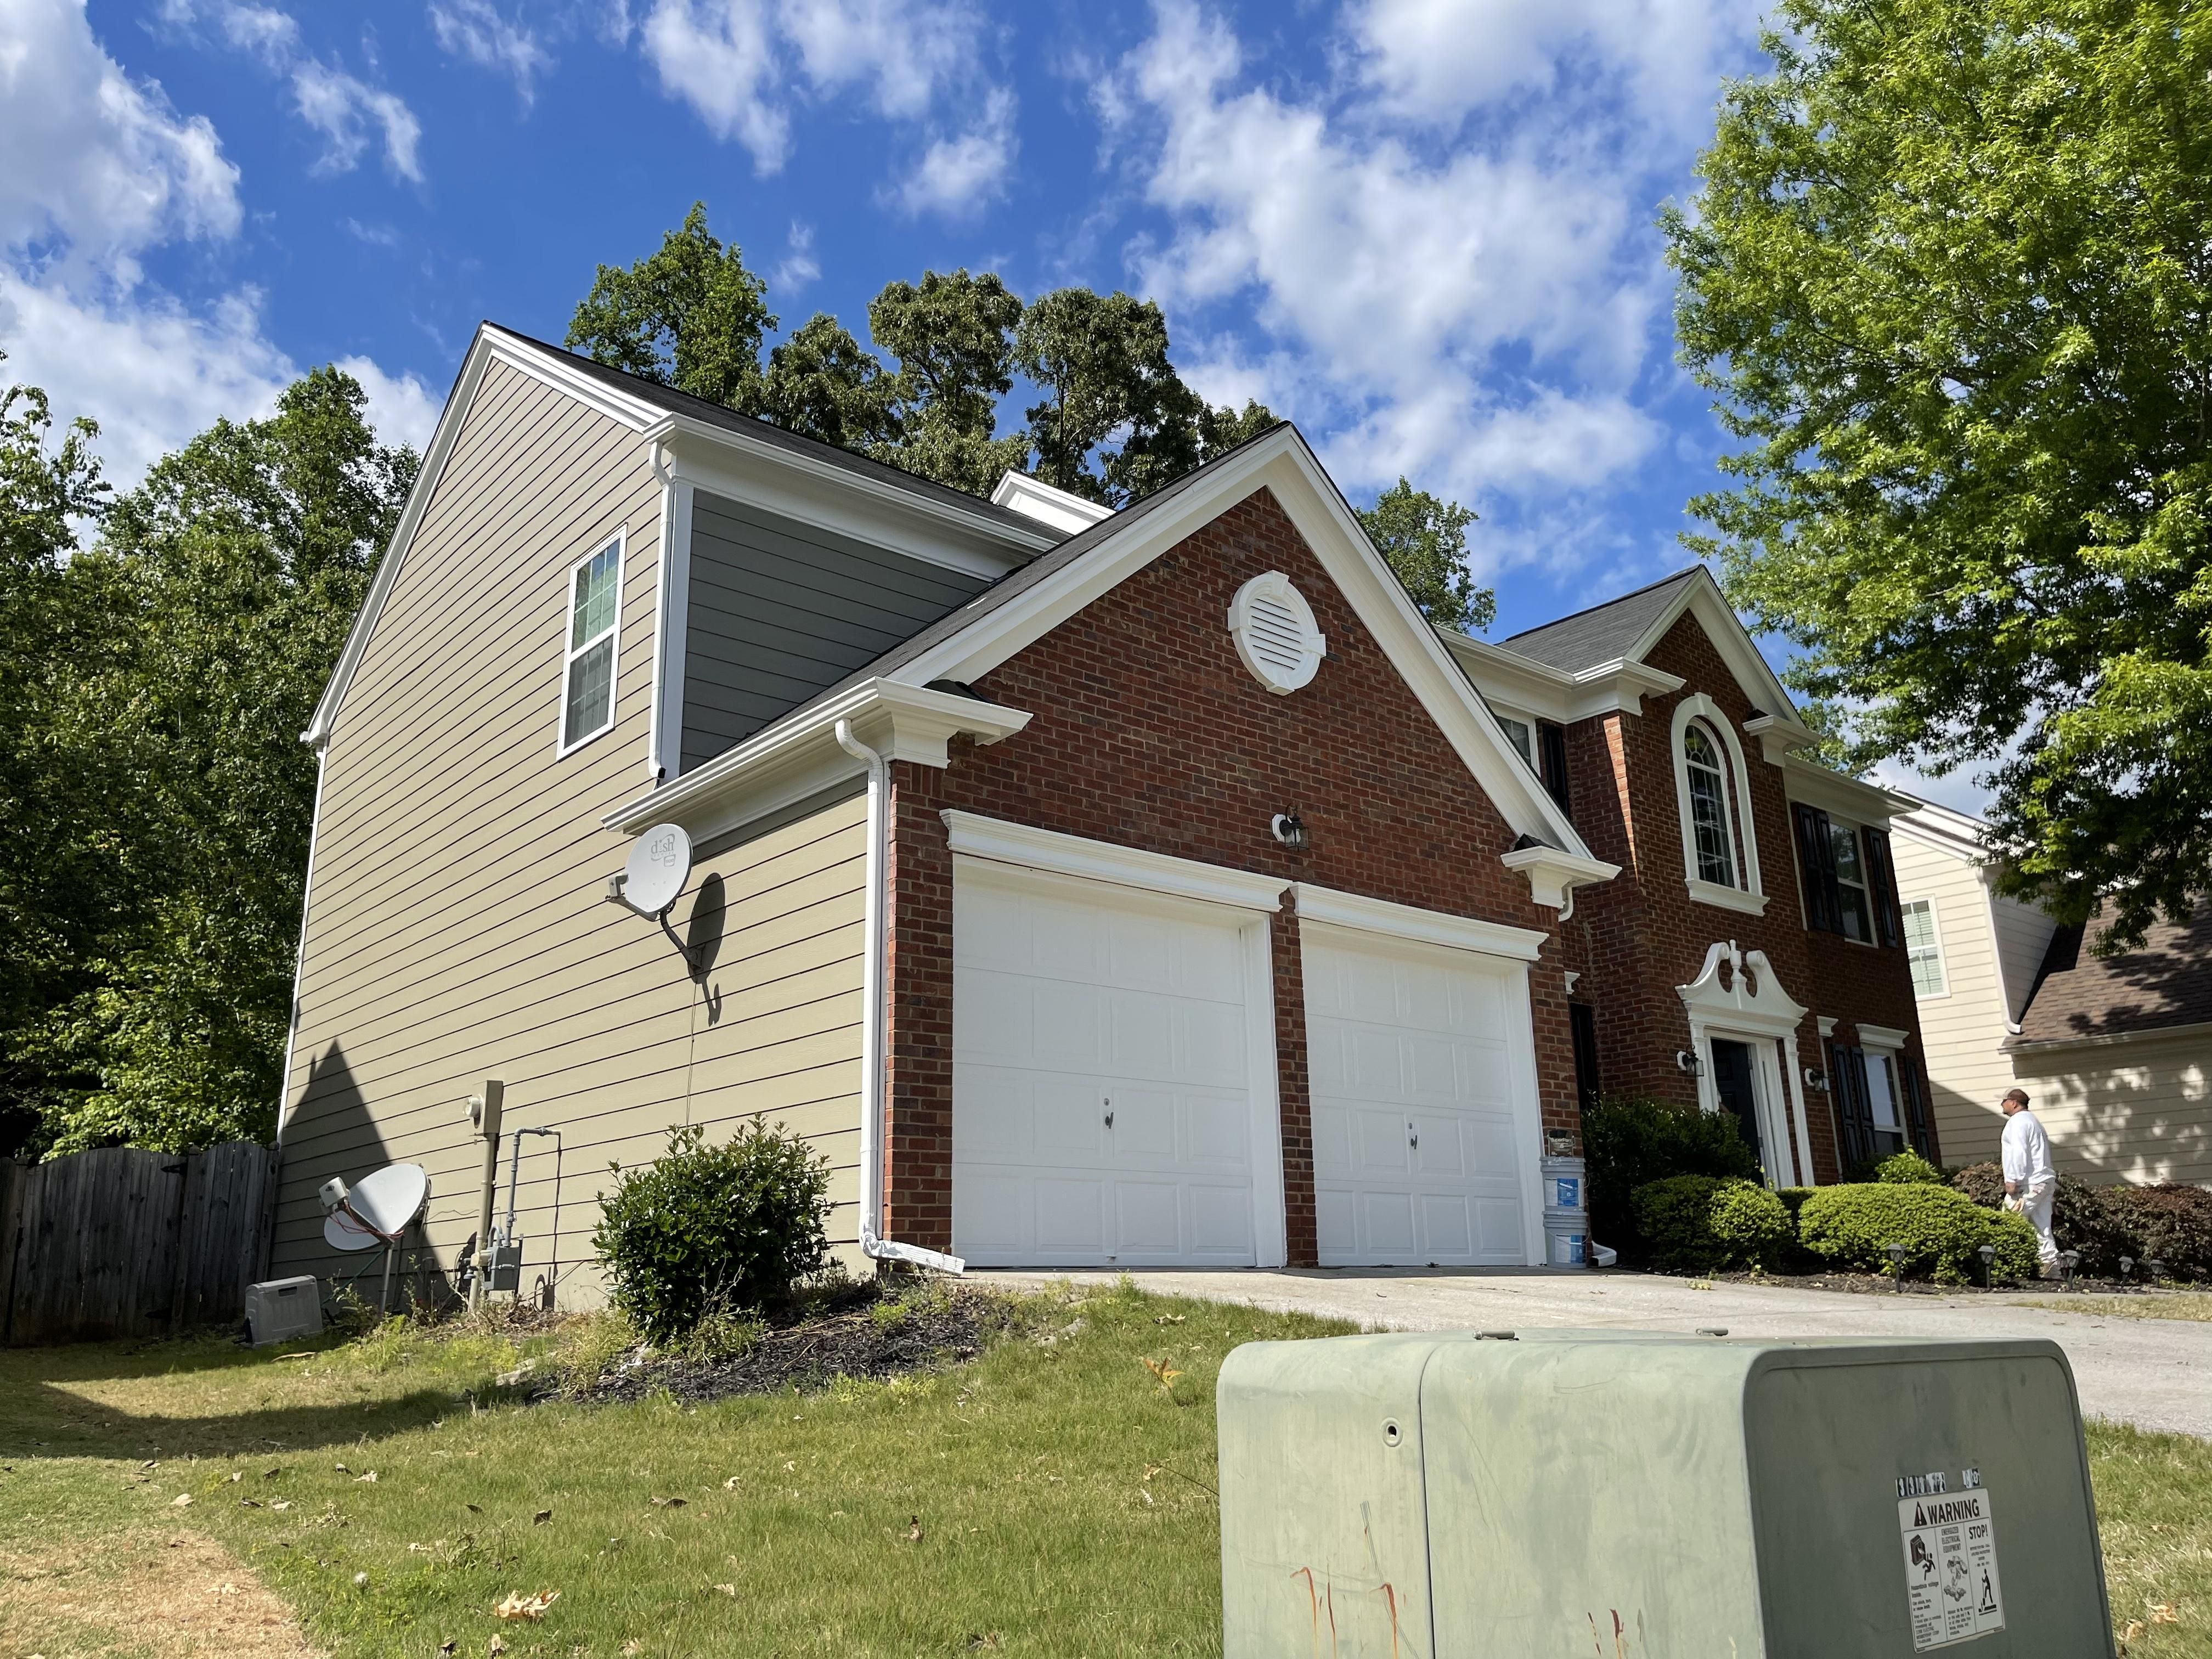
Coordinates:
[1737,995]
[1114,1056]
[1427,1125]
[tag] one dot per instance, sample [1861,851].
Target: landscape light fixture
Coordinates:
[2067,1260]
[2155,1268]
[1989,1255]
[1896,1254]
[2127,1266]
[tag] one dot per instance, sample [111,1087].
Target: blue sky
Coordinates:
[1422,228]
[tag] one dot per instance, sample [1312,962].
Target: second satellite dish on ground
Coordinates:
[659,867]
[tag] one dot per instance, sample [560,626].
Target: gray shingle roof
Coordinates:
[2080,994]
[1604,633]
[699,409]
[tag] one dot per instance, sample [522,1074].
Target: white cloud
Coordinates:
[402,408]
[799,266]
[740,64]
[1443,262]
[475,30]
[717,56]
[958,177]
[343,108]
[269,35]
[98,165]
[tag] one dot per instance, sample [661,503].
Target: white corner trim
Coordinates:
[672,629]
[1881,1037]
[1048,504]
[1777,736]
[1374,915]
[1554,875]
[900,722]
[1697,706]
[1728,898]
[1002,842]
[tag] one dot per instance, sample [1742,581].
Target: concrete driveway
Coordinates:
[2154,1373]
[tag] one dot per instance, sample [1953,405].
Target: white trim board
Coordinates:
[1760,1018]
[1752,895]
[1001,842]
[1374,915]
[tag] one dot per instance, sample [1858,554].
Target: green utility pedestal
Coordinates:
[1565,1493]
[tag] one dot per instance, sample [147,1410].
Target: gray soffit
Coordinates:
[713,414]
[1604,633]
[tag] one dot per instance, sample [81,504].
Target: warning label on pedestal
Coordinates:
[1950,1568]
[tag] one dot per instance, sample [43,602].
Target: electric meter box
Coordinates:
[1624,1494]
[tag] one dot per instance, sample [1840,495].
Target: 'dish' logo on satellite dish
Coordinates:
[659,867]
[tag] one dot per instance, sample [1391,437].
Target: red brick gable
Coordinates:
[1148,732]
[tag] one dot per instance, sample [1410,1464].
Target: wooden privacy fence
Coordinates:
[125,1242]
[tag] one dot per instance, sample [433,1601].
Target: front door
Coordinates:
[1737,1092]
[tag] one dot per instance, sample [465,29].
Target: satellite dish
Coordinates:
[374,1214]
[659,867]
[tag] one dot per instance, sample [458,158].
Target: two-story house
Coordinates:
[1749,957]
[1089,889]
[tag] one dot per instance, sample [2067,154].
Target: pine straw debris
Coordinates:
[870,1337]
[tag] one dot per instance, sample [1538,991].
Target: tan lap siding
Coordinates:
[2140,1110]
[457,927]
[1962,1031]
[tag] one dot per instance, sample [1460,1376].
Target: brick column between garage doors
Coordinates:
[1292,1081]
[917,982]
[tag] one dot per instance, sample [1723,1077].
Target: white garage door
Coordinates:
[1102,1106]
[1416,1054]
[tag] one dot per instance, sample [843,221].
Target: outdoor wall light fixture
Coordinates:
[1289,830]
[1816,1079]
[1687,1061]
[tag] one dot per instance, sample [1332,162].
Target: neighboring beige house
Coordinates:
[2115,1054]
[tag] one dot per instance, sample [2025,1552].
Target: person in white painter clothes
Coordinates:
[2030,1183]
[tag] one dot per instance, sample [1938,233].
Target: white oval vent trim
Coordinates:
[1275,633]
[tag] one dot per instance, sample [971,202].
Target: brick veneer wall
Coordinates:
[1148,732]
[1636,937]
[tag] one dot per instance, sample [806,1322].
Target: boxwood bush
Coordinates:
[1630,1140]
[1695,1224]
[712,1230]
[1942,1231]
[1903,1169]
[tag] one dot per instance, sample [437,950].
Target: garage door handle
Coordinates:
[1109,1120]
[1412,1136]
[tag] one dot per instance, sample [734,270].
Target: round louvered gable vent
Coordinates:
[1273,628]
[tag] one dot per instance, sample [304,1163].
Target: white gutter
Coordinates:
[873,1243]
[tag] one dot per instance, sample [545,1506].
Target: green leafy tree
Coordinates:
[822,382]
[1101,362]
[213,604]
[1425,540]
[52,895]
[953,336]
[1220,431]
[1947,272]
[690,316]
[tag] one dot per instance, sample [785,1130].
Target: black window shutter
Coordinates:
[1582,1019]
[1847,1080]
[1888,920]
[1816,862]
[1916,1116]
[1552,755]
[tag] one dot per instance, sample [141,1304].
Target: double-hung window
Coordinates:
[1923,949]
[1853,911]
[588,694]
[1849,883]
[1710,819]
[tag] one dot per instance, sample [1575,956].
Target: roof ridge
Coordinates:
[1674,576]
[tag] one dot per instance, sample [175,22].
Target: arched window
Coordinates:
[1711,821]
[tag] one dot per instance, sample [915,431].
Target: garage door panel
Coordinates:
[1423,1032]
[1122,1005]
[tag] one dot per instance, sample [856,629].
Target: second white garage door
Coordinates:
[1103,1096]
[1421,1062]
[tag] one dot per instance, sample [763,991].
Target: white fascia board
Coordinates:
[1281,463]
[1504,675]
[1703,595]
[816,490]
[799,756]
[1863,802]
[1001,842]
[1048,504]
[1374,915]
[1940,829]
[1883,1036]
[2196,1031]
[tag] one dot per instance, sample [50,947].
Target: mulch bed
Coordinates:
[1882,1285]
[851,1340]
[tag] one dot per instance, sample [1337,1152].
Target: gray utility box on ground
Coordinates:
[1623,1495]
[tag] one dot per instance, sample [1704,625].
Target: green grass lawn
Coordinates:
[2177,1304]
[1049,1497]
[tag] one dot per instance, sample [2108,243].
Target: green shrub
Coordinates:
[1941,1231]
[2100,1225]
[2172,1225]
[1905,1169]
[1630,1142]
[1698,1224]
[712,1230]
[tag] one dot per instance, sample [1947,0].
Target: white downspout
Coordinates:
[873,977]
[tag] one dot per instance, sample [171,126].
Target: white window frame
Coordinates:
[1932,951]
[571,654]
[1748,896]
[1884,1046]
[1525,745]
[1857,831]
